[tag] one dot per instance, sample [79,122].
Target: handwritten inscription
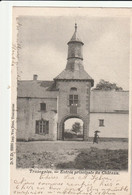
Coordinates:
[69,184]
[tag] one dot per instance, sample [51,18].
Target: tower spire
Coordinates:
[75,37]
[75,47]
[74,68]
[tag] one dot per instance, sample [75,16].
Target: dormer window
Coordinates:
[43,107]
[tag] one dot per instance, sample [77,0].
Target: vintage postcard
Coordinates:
[70,117]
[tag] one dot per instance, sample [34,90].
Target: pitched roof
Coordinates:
[76,75]
[109,101]
[74,68]
[36,88]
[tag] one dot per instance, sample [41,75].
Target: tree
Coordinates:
[106,86]
[76,127]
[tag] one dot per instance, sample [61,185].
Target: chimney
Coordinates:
[35,76]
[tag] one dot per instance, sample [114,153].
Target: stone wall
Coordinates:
[83,109]
[90,111]
[28,111]
[116,125]
[75,50]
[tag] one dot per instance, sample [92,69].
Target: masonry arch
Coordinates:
[75,118]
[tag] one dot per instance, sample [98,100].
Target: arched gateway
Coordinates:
[62,124]
[74,85]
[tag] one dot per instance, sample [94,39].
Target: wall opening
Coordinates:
[73,129]
[42,127]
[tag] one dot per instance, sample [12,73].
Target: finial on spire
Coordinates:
[75,27]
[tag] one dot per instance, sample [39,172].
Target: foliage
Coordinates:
[69,135]
[106,86]
[80,136]
[76,127]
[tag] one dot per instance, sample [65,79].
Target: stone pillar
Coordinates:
[60,129]
[86,129]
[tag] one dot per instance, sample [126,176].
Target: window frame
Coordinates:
[42,127]
[73,100]
[42,105]
[73,89]
[101,123]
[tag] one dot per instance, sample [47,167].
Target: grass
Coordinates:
[72,155]
[98,159]
[41,160]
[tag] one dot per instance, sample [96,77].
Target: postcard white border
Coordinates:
[5,69]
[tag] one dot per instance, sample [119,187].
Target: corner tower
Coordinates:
[74,85]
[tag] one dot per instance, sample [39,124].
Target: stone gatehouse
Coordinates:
[44,106]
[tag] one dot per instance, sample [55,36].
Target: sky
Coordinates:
[106,49]
[70,122]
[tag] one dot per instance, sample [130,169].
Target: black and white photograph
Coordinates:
[72,90]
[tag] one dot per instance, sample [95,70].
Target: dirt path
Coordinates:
[58,146]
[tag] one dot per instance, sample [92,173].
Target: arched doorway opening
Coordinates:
[73,129]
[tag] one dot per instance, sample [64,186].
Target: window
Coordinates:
[43,107]
[42,127]
[101,122]
[73,100]
[73,89]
